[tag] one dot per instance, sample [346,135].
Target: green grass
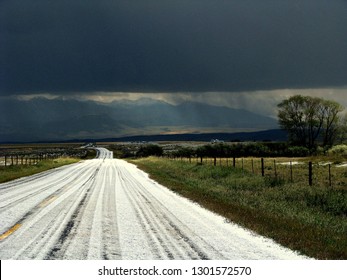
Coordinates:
[311,220]
[9,173]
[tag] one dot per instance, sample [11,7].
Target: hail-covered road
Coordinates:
[108,209]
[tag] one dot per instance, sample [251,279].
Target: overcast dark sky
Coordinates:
[65,47]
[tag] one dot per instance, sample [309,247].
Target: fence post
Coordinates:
[262,167]
[234,162]
[275,168]
[330,184]
[310,173]
[5,160]
[214,161]
[291,172]
[252,166]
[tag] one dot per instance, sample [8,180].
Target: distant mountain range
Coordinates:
[42,119]
[261,136]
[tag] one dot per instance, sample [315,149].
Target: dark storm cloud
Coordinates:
[156,46]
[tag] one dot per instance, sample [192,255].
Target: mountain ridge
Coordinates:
[59,119]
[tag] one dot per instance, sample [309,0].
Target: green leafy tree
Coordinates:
[342,130]
[308,119]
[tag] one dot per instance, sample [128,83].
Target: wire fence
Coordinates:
[283,170]
[33,157]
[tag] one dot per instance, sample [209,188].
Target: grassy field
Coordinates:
[311,220]
[17,171]
[326,171]
[23,166]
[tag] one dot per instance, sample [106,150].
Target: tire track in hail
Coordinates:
[48,223]
[152,223]
[49,232]
[174,225]
[161,230]
[44,232]
[70,227]
[43,187]
[153,243]
[111,243]
[28,179]
[156,225]
[177,228]
[75,237]
[27,215]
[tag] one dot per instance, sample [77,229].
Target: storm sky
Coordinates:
[231,51]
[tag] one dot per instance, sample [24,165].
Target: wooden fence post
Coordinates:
[275,168]
[291,172]
[262,167]
[234,162]
[310,173]
[330,184]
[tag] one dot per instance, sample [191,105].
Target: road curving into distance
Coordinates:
[106,208]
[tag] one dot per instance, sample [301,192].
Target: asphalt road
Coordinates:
[108,209]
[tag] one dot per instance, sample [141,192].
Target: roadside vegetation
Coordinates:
[309,219]
[22,164]
[9,173]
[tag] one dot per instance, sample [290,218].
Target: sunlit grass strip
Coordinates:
[311,220]
[9,173]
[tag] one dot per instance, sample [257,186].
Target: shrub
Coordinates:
[298,151]
[150,150]
[184,152]
[338,150]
